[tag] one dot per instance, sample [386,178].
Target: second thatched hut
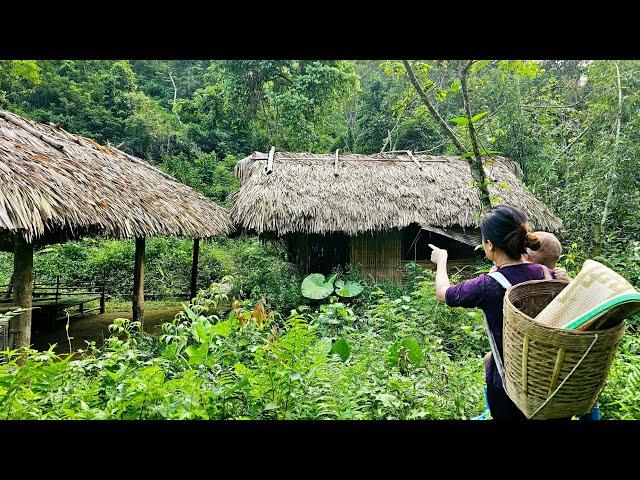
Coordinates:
[56,186]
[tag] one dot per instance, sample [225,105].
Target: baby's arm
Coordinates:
[561,274]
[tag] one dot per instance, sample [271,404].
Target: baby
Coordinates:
[548,254]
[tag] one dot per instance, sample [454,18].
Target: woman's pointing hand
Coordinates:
[438,254]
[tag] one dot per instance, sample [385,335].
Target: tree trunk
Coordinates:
[475,162]
[607,203]
[138,283]
[22,292]
[597,240]
[194,267]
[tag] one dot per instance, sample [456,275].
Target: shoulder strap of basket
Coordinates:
[502,280]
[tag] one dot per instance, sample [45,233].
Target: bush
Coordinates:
[620,397]
[261,269]
[250,363]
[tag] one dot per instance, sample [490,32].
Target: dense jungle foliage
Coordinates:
[572,126]
[394,354]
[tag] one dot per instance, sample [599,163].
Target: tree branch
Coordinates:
[443,124]
[175,89]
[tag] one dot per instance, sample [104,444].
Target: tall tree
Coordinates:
[475,160]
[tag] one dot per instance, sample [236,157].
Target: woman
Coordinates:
[505,237]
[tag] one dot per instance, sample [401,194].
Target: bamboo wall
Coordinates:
[378,255]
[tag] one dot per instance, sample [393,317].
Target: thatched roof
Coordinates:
[53,182]
[307,193]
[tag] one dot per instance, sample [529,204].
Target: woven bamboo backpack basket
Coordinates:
[552,372]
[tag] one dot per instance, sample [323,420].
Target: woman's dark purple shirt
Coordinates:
[487,294]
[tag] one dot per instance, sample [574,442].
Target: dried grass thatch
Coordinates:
[310,193]
[53,183]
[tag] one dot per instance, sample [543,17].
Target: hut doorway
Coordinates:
[415,246]
[315,253]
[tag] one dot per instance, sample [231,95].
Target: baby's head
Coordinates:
[549,251]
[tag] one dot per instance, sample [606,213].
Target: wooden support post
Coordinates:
[103,293]
[102,299]
[194,267]
[57,288]
[22,292]
[138,283]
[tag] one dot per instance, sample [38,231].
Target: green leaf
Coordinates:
[489,152]
[388,400]
[222,328]
[460,120]
[197,355]
[348,289]
[315,287]
[341,347]
[477,117]
[405,349]
[470,153]
[455,85]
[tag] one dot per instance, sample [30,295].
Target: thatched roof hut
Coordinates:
[308,193]
[56,186]
[331,194]
[53,183]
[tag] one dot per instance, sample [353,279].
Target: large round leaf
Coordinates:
[315,287]
[348,289]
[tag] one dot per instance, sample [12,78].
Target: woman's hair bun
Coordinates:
[531,241]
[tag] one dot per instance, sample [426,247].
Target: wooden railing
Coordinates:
[58,290]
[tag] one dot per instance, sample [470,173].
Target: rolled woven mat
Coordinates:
[597,298]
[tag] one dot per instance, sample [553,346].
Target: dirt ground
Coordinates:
[94,328]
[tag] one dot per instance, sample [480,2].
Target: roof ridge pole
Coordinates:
[335,163]
[414,159]
[32,131]
[272,152]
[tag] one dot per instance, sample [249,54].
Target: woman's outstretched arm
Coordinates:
[439,257]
